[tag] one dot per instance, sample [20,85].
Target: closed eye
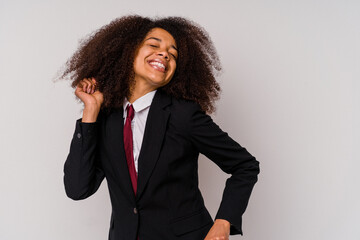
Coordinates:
[151,45]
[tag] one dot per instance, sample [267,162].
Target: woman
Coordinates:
[146,85]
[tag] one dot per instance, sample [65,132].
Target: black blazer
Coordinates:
[168,203]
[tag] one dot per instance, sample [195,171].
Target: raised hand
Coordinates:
[92,98]
[87,91]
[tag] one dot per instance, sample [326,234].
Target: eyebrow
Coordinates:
[158,39]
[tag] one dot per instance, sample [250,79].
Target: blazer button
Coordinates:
[135,211]
[79,135]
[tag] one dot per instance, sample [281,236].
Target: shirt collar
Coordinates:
[141,103]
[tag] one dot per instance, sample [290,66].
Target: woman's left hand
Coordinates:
[220,230]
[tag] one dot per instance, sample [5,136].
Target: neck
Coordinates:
[139,90]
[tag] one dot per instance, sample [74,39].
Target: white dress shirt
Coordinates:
[141,109]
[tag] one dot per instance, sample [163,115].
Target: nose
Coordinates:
[163,54]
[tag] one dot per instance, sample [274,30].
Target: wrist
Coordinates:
[91,106]
[90,114]
[224,222]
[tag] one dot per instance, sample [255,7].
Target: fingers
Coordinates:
[88,85]
[94,86]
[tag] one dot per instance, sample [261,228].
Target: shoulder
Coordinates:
[184,108]
[190,117]
[181,112]
[174,104]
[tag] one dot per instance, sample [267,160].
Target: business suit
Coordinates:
[168,203]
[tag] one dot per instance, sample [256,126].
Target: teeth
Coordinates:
[158,64]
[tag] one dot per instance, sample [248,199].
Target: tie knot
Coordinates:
[130,111]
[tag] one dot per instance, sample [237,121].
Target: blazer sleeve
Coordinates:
[82,169]
[233,159]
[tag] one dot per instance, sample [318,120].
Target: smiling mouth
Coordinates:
[158,66]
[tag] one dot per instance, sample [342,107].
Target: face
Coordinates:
[155,59]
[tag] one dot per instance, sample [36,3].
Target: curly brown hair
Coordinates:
[108,55]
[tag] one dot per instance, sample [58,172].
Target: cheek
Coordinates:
[172,64]
[171,74]
[141,56]
[139,63]
[136,66]
[173,67]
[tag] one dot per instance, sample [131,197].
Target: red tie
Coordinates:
[128,144]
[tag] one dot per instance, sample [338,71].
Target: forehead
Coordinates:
[161,34]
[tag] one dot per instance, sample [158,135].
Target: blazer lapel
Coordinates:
[155,129]
[114,134]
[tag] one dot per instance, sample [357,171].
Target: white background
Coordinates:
[290,96]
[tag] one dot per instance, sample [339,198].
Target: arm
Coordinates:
[82,170]
[233,159]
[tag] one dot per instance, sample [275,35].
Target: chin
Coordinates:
[157,85]
[159,82]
